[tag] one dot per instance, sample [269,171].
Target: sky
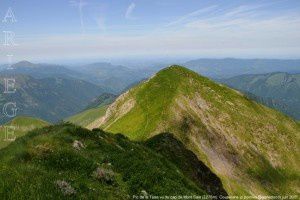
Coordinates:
[104,29]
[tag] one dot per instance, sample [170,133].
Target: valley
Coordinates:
[50,99]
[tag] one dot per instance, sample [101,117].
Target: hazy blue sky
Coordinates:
[73,29]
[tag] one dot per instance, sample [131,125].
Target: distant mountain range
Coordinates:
[229,67]
[117,77]
[277,90]
[54,92]
[50,99]
[114,77]
[40,70]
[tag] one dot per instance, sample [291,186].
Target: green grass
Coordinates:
[152,101]
[94,111]
[18,127]
[30,167]
[88,116]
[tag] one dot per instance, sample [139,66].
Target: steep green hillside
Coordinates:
[277,90]
[69,162]
[253,149]
[93,112]
[18,127]
[50,99]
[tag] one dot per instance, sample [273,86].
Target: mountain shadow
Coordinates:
[172,149]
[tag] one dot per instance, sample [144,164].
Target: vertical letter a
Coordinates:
[9,15]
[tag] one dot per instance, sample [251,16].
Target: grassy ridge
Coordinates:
[32,166]
[237,138]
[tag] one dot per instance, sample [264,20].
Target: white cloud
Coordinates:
[80,4]
[192,15]
[129,11]
[243,27]
[244,10]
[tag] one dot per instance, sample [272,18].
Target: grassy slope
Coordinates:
[30,167]
[21,126]
[254,149]
[88,116]
[94,111]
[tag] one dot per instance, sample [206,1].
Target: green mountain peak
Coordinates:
[253,149]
